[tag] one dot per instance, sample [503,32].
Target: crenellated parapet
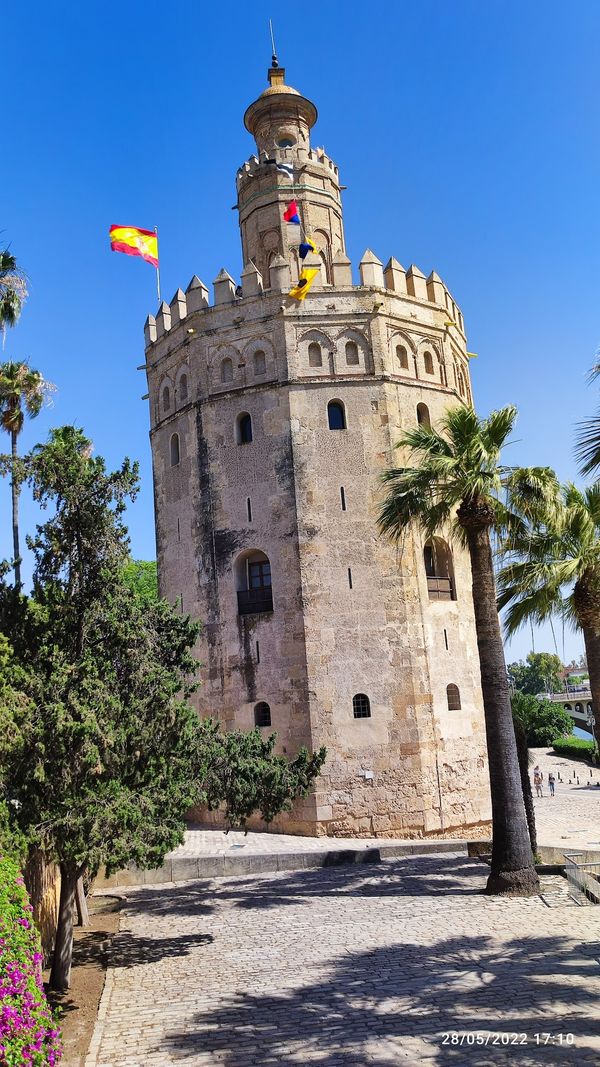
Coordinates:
[401,286]
[299,159]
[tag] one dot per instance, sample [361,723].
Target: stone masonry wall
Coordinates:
[324,641]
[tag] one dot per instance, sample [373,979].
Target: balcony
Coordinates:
[254,601]
[440,588]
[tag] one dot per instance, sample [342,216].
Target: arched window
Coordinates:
[437,558]
[166,398]
[428,361]
[260,362]
[227,370]
[174,449]
[461,383]
[262,714]
[252,572]
[453,695]
[183,390]
[578,709]
[423,418]
[315,358]
[324,267]
[352,357]
[402,356]
[335,415]
[244,429]
[361,706]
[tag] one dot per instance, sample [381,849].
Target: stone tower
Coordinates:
[271,421]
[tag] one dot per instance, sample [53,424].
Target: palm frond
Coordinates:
[587,445]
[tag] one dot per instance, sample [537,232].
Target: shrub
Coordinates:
[542,720]
[576,747]
[28,1034]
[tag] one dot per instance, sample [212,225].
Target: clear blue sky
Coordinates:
[467,134]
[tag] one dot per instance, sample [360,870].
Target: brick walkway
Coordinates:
[352,966]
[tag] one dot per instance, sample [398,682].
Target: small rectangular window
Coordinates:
[178,530]
[257,652]
[343,497]
[349,577]
[249,509]
[446,639]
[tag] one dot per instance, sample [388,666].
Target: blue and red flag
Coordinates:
[291,213]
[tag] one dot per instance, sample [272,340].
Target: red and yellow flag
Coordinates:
[135,242]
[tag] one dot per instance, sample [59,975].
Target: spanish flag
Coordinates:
[135,242]
[305,281]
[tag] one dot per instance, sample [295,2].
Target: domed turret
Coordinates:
[287,168]
[281,117]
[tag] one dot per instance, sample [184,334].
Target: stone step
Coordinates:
[186,868]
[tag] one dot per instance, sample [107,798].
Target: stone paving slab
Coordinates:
[352,966]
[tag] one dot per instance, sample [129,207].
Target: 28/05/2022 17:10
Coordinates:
[490,1037]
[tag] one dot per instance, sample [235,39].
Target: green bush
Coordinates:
[576,747]
[28,1034]
[542,720]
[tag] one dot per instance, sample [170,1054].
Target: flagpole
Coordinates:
[157,265]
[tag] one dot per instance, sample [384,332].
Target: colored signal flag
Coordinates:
[291,213]
[283,168]
[305,281]
[308,245]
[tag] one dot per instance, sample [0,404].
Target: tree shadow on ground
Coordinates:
[410,876]
[386,1005]
[378,1007]
[131,950]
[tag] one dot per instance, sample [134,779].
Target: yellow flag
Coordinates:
[305,281]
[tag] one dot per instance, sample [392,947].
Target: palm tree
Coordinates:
[458,486]
[22,392]
[13,290]
[553,569]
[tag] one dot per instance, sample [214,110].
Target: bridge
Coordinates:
[577,700]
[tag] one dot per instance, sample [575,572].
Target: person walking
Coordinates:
[551,783]
[538,781]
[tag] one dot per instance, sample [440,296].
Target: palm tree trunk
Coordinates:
[512,870]
[592,652]
[15,510]
[60,975]
[523,755]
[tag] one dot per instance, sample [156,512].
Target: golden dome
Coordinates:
[281,88]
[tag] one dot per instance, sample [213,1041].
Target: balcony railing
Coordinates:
[253,601]
[440,588]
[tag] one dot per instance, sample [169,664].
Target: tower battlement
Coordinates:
[297,157]
[401,286]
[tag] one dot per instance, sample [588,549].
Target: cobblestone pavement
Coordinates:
[354,966]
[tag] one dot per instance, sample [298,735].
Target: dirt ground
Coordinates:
[79,1006]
